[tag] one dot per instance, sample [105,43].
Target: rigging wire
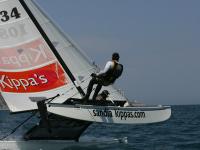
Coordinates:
[17,127]
[51,99]
[26,120]
[86,79]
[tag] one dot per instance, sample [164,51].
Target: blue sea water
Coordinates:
[180,132]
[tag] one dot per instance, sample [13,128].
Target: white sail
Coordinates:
[29,58]
[28,67]
[75,58]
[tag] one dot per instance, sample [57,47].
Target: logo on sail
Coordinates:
[26,55]
[42,79]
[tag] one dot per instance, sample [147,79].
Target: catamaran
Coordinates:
[42,70]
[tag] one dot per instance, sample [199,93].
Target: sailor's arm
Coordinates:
[108,65]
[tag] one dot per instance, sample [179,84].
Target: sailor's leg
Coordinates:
[90,86]
[98,88]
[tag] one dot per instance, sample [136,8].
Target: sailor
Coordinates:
[111,72]
[103,96]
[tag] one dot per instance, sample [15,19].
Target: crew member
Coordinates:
[111,72]
[103,96]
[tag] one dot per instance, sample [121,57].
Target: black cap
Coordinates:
[105,92]
[115,56]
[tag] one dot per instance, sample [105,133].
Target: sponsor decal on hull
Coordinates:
[123,115]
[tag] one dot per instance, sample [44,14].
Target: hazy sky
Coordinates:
[158,40]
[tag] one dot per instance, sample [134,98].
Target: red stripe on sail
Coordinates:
[43,79]
[26,55]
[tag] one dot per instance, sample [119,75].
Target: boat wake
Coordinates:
[105,140]
[86,142]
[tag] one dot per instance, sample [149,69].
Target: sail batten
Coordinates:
[31,68]
[14,21]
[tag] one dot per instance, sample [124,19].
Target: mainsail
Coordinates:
[38,60]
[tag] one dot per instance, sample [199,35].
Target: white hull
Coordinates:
[113,114]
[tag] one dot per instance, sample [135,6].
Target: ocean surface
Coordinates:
[181,132]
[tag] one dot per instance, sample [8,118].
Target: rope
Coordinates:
[52,98]
[15,129]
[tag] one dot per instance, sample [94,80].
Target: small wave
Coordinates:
[188,145]
[105,140]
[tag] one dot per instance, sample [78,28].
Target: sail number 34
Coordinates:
[6,16]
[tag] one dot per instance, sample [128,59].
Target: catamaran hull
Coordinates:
[113,114]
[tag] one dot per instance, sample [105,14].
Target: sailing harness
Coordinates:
[112,74]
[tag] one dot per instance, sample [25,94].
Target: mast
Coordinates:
[53,49]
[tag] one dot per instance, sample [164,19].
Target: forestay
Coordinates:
[29,66]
